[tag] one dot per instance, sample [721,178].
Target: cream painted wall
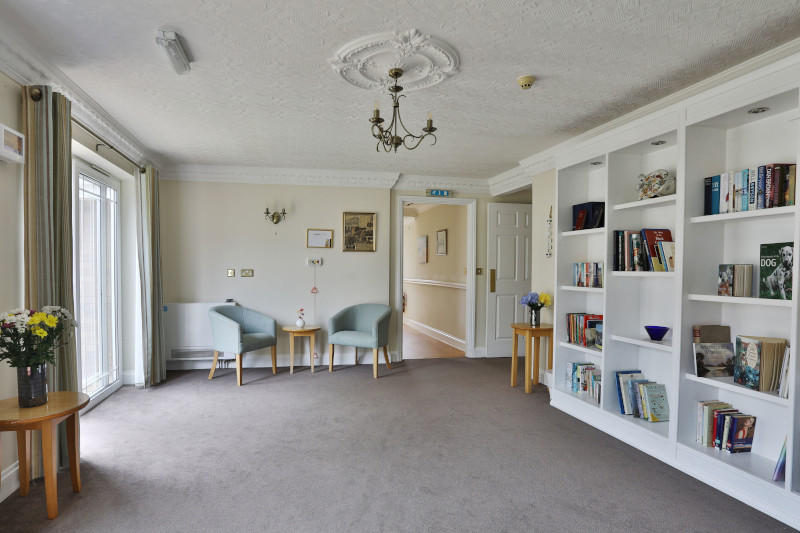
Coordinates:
[543,195]
[441,308]
[207,228]
[11,258]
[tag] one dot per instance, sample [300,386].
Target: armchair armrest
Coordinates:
[340,321]
[259,322]
[226,332]
[380,328]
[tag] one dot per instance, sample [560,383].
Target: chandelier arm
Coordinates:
[419,140]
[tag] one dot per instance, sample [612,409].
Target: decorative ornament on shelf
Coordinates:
[535,301]
[300,322]
[28,341]
[548,235]
[658,183]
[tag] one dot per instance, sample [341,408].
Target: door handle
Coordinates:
[492,279]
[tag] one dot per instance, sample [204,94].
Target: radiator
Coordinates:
[187,330]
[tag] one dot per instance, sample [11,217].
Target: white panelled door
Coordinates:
[509,264]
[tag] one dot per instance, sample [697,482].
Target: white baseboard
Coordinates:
[437,334]
[129,378]
[479,351]
[9,481]
[345,355]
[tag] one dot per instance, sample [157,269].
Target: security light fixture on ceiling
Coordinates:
[171,44]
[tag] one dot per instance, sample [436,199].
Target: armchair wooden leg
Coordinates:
[214,364]
[375,363]
[274,358]
[239,369]
[330,358]
[386,358]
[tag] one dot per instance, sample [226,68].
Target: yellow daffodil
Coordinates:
[37,318]
[50,321]
[41,332]
[545,299]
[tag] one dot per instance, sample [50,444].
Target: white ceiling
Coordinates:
[261,92]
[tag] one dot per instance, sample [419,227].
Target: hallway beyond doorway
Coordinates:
[417,345]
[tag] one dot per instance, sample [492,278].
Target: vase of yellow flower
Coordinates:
[535,301]
[28,341]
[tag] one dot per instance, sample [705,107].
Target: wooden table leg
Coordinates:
[375,363]
[514,360]
[528,386]
[274,358]
[49,434]
[536,342]
[550,351]
[330,358]
[291,352]
[311,347]
[74,449]
[24,453]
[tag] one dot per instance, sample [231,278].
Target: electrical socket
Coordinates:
[314,261]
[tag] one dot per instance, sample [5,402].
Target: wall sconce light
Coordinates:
[275,216]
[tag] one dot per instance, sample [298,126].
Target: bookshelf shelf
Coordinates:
[658,428]
[727,383]
[642,274]
[755,465]
[585,398]
[725,217]
[591,351]
[733,300]
[582,289]
[577,233]
[648,202]
[664,346]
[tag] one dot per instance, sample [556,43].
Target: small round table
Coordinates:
[306,331]
[61,405]
[530,332]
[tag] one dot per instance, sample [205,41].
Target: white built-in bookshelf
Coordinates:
[706,134]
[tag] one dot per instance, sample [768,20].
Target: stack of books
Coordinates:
[587,274]
[641,397]
[735,280]
[585,378]
[582,329]
[761,187]
[721,426]
[758,362]
[588,215]
[650,249]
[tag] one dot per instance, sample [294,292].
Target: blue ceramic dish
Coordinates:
[656,332]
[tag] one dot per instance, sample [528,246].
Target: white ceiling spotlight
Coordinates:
[171,44]
[526,82]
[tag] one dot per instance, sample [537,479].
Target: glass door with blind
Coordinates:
[97,270]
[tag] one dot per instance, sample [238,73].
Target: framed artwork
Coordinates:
[319,238]
[441,242]
[422,249]
[358,232]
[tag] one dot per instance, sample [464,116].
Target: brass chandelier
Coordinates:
[391,138]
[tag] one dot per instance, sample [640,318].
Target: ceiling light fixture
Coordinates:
[758,110]
[388,138]
[658,143]
[526,82]
[171,44]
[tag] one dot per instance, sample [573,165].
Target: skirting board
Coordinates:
[129,378]
[10,481]
[439,335]
[345,355]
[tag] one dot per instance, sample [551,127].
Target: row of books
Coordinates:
[588,215]
[647,250]
[587,274]
[721,426]
[582,329]
[641,397]
[735,280]
[585,378]
[763,187]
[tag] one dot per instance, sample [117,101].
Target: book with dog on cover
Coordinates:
[775,271]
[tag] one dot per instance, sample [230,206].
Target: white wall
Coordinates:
[11,265]
[207,228]
[543,195]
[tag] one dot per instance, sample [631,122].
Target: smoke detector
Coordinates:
[526,82]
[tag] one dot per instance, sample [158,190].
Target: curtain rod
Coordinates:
[98,137]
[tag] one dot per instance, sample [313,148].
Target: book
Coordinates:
[627,249]
[708,420]
[580,220]
[783,381]
[667,253]
[768,186]
[752,193]
[725,280]
[757,362]
[745,194]
[791,178]
[638,260]
[707,195]
[719,426]
[656,402]
[775,270]
[624,376]
[779,474]
[715,184]
[713,359]
[735,280]
[701,415]
[598,212]
[779,172]
[650,238]
[740,435]
[726,430]
[724,192]
[738,190]
[762,187]
[632,385]
[711,333]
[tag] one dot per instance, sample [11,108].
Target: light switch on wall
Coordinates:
[231,272]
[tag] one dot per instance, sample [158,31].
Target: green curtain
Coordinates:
[48,229]
[152,368]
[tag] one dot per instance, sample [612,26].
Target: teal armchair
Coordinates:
[361,326]
[238,330]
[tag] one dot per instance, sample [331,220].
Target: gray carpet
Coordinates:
[433,445]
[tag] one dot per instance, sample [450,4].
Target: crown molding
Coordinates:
[27,66]
[411,182]
[521,176]
[279,176]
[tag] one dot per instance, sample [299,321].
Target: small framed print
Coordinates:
[319,238]
[422,249]
[358,232]
[441,242]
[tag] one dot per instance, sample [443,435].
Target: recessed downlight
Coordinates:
[595,163]
[658,143]
[758,110]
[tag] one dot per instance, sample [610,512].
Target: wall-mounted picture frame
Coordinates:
[441,242]
[319,238]
[422,249]
[359,232]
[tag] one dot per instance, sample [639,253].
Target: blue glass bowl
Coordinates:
[656,332]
